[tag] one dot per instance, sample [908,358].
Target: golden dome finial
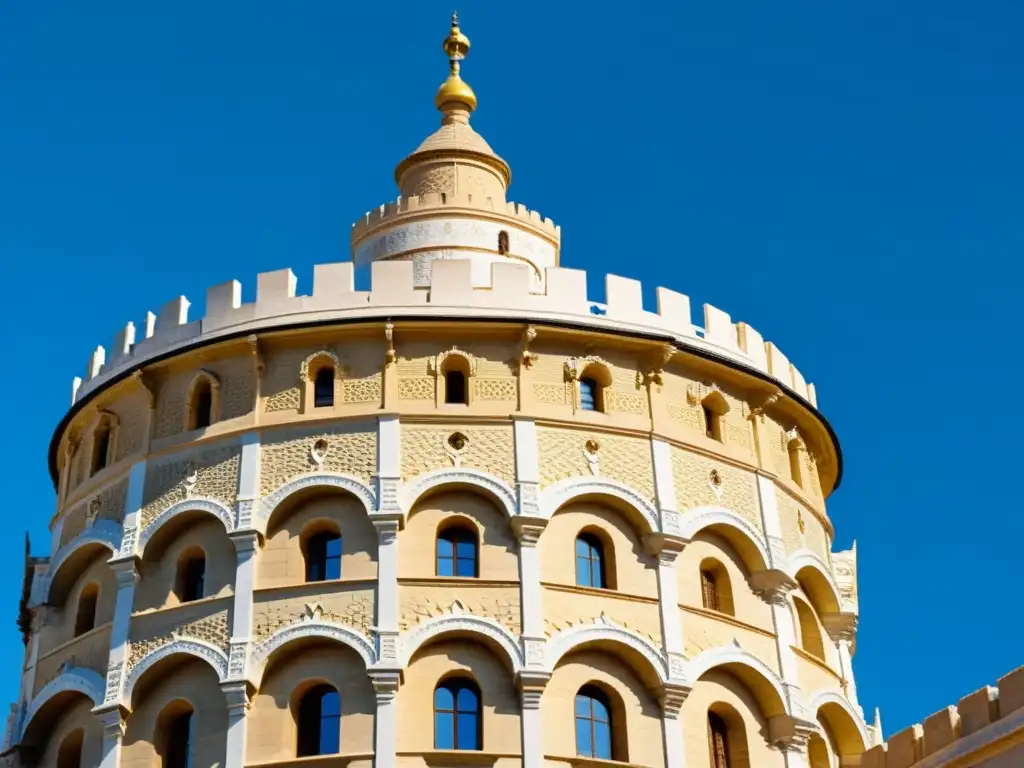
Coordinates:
[455,97]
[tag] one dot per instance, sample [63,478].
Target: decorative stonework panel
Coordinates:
[154,631]
[419,388]
[553,394]
[418,603]
[350,606]
[286,400]
[626,402]
[696,487]
[132,413]
[490,390]
[281,384]
[286,453]
[237,393]
[210,472]
[563,454]
[800,528]
[706,632]
[564,609]
[362,390]
[108,504]
[488,449]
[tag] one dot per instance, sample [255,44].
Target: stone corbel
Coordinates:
[790,733]
[671,697]
[758,410]
[389,338]
[528,530]
[385,683]
[841,628]
[526,357]
[772,585]
[238,697]
[655,373]
[531,687]
[114,718]
[663,546]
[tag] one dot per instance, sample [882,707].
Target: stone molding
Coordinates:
[604,629]
[200,649]
[73,679]
[835,696]
[559,494]
[805,558]
[695,520]
[313,628]
[489,629]
[733,654]
[105,532]
[493,486]
[195,504]
[269,504]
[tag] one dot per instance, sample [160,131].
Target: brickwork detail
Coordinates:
[626,459]
[490,449]
[691,473]
[213,629]
[351,607]
[417,604]
[216,477]
[132,413]
[286,454]
[285,400]
[108,504]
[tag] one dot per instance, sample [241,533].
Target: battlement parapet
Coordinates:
[449,295]
[383,215]
[988,720]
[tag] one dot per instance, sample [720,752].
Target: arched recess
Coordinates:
[762,682]
[639,510]
[816,581]
[744,538]
[456,478]
[188,506]
[843,721]
[309,484]
[280,640]
[71,560]
[487,631]
[54,697]
[639,653]
[211,654]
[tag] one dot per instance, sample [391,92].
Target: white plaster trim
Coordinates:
[345,482]
[493,486]
[556,496]
[835,696]
[693,521]
[603,629]
[707,660]
[103,531]
[305,629]
[419,635]
[76,679]
[805,558]
[195,504]
[208,652]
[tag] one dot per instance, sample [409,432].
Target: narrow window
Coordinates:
[70,753]
[455,387]
[319,716]
[191,577]
[503,243]
[709,590]
[457,715]
[323,388]
[810,635]
[178,742]
[589,394]
[593,724]
[718,741]
[202,405]
[85,618]
[100,448]
[795,466]
[457,553]
[590,570]
[711,426]
[323,556]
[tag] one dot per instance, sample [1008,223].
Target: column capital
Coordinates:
[841,627]
[236,694]
[528,529]
[671,697]
[773,585]
[387,527]
[113,718]
[126,572]
[790,733]
[664,546]
[531,687]
[245,541]
[385,683]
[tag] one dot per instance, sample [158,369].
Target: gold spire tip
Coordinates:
[455,93]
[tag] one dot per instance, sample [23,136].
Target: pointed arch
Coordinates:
[846,723]
[488,630]
[315,480]
[197,504]
[816,580]
[308,629]
[86,682]
[102,533]
[200,649]
[459,477]
[604,631]
[557,495]
[744,537]
[762,681]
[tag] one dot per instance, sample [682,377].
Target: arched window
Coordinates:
[100,447]
[718,741]
[714,407]
[503,243]
[817,752]
[796,471]
[590,566]
[323,388]
[323,556]
[455,387]
[177,741]
[85,618]
[709,591]
[69,755]
[191,577]
[457,552]
[319,722]
[457,722]
[590,392]
[593,724]
[810,635]
[715,587]
[201,407]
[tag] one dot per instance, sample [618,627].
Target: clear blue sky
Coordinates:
[844,177]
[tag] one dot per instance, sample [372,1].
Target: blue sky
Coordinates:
[844,177]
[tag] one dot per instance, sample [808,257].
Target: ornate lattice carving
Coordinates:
[364,390]
[735,488]
[625,402]
[421,603]
[108,504]
[132,413]
[563,455]
[215,477]
[285,400]
[352,608]
[489,449]
[212,629]
[286,454]
[495,389]
[420,388]
[566,611]
[552,394]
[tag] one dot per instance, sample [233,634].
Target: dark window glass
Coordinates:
[323,556]
[203,409]
[503,242]
[588,395]
[323,388]
[70,753]
[589,562]
[457,553]
[709,590]
[86,616]
[457,715]
[193,578]
[101,449]
[710,423]
[455,387]
[718,741]
[319,722]
[593,724]
[178,752]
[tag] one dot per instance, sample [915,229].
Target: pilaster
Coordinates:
[524,371]
[667,549]
[236,694]
[390,371]
[842,629]
[387,590]
[665,487]
[385,685]
[671,698]
[791,734]
[389,464]
[113,732]
[133,510]
[126,572]
[528,526]
[531,690]
[246,543]
[248,481]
